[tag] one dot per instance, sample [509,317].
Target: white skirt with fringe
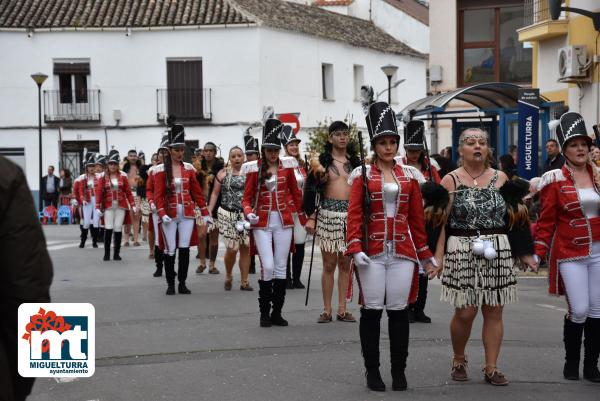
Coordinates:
[226,222]
[331,230]
[471,280]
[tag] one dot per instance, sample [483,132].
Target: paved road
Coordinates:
[208,345]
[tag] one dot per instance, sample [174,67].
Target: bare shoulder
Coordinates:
[448,182]
[502,178]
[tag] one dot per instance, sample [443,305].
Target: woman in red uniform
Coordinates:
[386,261]
[176,194]
[113,201]
[291,145]
[568,232]
[85,193]
[267,208]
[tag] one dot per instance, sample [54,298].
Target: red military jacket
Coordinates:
[76,189]
[150,185]
[298,171]
[434,175]
[85,193]
[260,200]
[190,195]
[562,228]
[106,194]
[408,229]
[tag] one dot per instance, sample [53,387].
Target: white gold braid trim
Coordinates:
[410,138]
[551,176]
[573,126]
[357,172]
[381,116]
[542,243]
[289,162]
[249,167]
[413,173]
[177,137]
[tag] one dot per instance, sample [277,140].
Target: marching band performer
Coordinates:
[113,201]
[386,258]
[176,192]
[86,197]
[229,185]
[153,217]
[291,145]
[252,151]
[488,229]
[267,208]
[568,232]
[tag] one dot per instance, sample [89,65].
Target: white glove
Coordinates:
[153,207]
[208,220]
[134,210]
[361,259]
[252,218]
[166,219]
[74,202]
[99,212]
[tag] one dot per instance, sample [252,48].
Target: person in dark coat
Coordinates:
[26,271]
[50,188]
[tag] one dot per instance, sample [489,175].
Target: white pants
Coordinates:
[582,284]
[113,219]
[273,244]
[156,232]
[184,226]
[386,281]
[299,231]
[90,215]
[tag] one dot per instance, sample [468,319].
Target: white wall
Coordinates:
[129,70]
[443,41]
[300,70]
[401,26]
[548,64]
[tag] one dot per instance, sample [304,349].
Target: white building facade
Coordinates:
[114,86]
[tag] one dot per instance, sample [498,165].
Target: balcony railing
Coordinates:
[537,11]
[184,104]
[77,105]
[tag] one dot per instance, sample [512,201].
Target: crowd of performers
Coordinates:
[388,222]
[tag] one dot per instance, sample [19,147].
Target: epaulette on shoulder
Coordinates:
[159,168]
[289,162]
[413,173]
[249,167]
[357,172]
[189,166]
[123,174]
[551,176]
[399,160]
[434,163]
[82,177]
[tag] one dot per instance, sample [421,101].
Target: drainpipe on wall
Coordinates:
[106,140]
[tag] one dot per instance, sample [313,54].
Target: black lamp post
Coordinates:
[389,71]
[39,79]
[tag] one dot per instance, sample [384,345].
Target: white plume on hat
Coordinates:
[268,112]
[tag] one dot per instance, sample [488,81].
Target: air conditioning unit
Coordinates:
[572,62]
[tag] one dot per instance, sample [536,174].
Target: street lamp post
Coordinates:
[39,79]
[389,71]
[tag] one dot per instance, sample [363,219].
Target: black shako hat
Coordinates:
[90,159]
[100,159]
[414,133]
[176,136]
[381,121]
[272,134]
[288,136]
[113,156]
[571,126]
[250,143]
[164,142]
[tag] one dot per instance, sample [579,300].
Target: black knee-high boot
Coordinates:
[83,237]
[297,262]
[107,240]
[369,341]
[265,296]
[182,269]
[419,306]
[158,261]
[398,330]
[572,334]
[118,237]
[591,350]
[288,274]
[170,273]
[94,231]
[279,287]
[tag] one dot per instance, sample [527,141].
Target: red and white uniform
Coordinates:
[85,194]
[189,196]
[107,192]
[286,199]
[434,170]
[299,231]
[563,231]
[152,203]
[397,238]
